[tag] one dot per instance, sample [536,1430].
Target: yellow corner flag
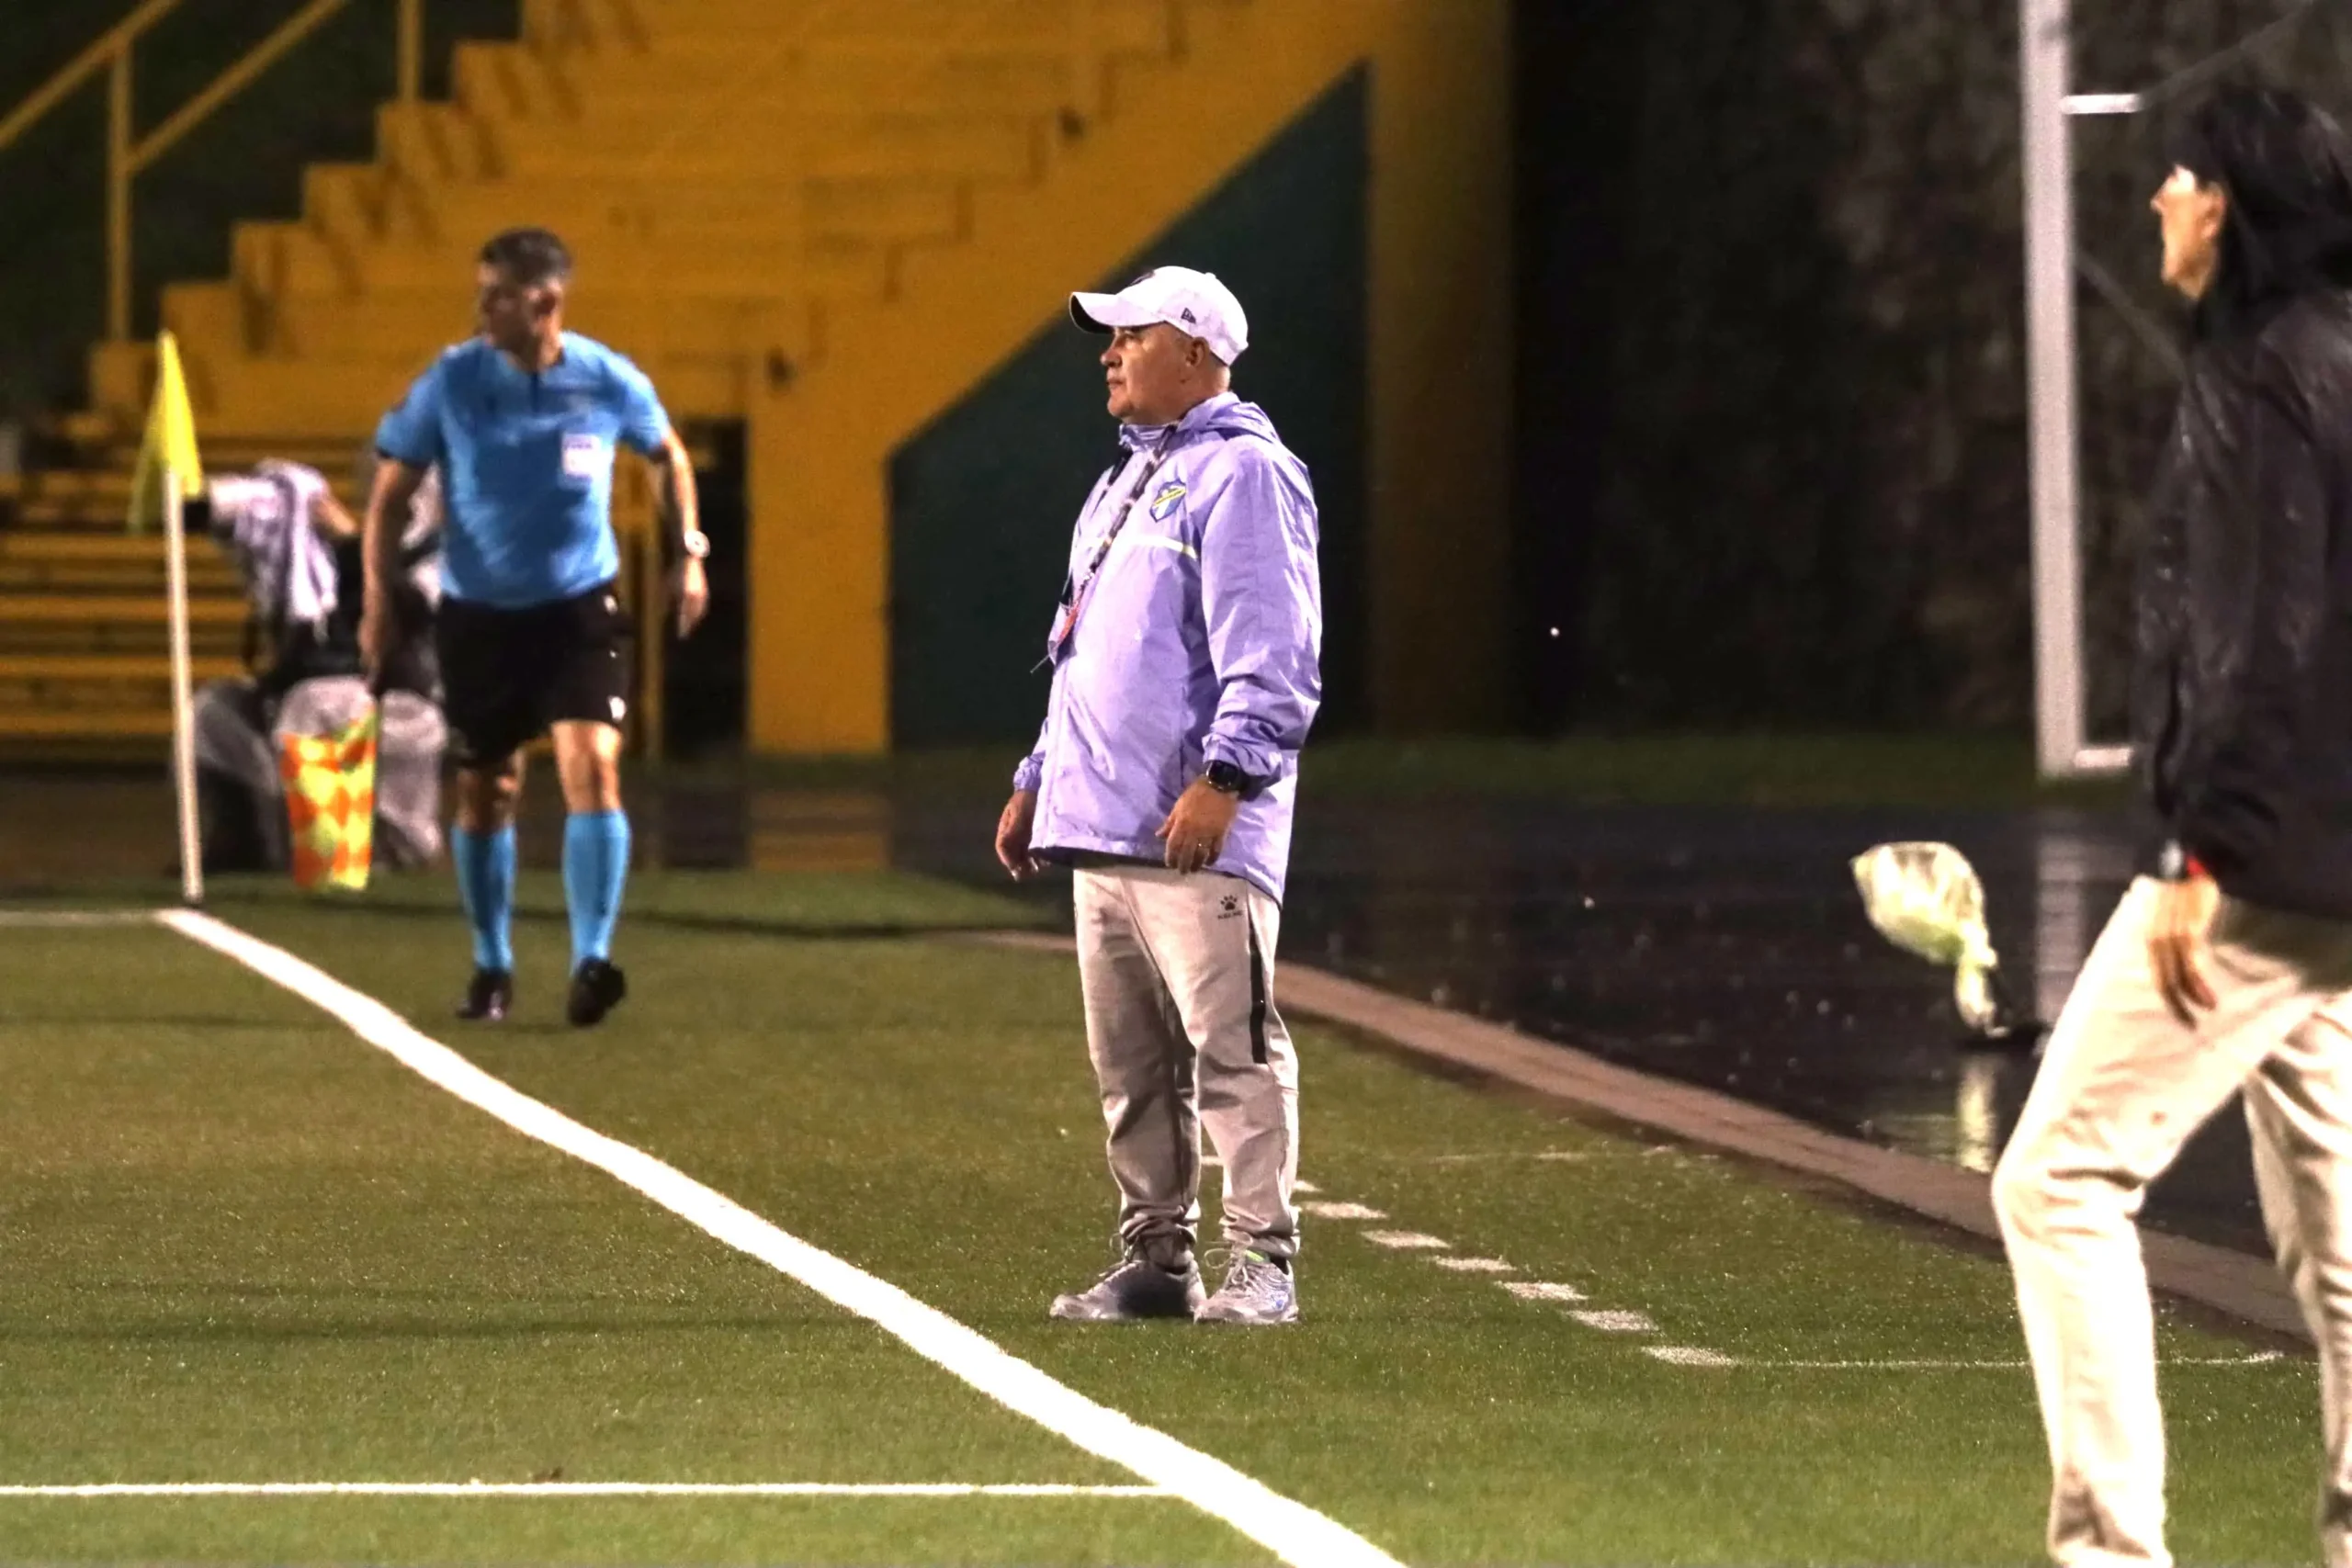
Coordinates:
[170,440]
[331,803]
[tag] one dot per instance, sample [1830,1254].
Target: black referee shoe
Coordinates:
[597,987]
[489,995]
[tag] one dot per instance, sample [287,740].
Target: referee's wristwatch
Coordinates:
[694,545]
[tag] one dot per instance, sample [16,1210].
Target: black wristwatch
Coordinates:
[1226,779]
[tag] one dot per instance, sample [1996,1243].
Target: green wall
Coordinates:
[982,501]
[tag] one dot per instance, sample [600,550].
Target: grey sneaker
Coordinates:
[1256,1291]
[1156,1279]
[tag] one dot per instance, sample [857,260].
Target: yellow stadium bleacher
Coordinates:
[752,187]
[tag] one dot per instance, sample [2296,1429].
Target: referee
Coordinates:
[522,421]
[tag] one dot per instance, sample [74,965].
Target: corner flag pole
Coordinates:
[169,471]
[183,698]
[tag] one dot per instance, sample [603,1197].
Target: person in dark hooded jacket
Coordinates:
[2230,969]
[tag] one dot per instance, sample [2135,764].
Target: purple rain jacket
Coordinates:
[1198,640]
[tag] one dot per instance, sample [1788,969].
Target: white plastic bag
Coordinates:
[1927,899]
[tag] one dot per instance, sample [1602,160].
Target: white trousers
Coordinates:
[1177,973]
[2122,1086]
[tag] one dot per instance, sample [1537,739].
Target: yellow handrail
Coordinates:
[127,154]
[232,82]
[116,41]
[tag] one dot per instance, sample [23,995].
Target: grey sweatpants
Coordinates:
[2123,1083]
[1177,973]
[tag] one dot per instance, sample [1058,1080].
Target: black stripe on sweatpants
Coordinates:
[1257,996]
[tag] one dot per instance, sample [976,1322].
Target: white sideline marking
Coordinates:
[1474,1264]
[1305,1187]
[62,919]
[570,1489]
[1291,1530]
[1554,1157]
[1686,1356]
[1541,1290]
[2257,1359]
[1328,1210]
[1616,1322]
[1406,1240]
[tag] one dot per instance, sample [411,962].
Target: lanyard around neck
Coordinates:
[1074,601]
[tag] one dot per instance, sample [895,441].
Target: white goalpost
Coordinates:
[2062,744]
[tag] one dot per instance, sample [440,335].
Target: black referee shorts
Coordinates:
[506,675]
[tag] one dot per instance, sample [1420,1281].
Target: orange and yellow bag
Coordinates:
[331,803]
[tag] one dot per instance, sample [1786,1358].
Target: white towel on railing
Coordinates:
[265,519]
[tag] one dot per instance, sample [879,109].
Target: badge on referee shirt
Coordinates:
[587,457]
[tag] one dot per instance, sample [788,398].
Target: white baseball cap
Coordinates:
[1192,302]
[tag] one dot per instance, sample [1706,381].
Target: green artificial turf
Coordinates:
[846,903]
[241,1244]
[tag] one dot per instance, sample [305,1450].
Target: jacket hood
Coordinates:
[2286,168]
[1223,414]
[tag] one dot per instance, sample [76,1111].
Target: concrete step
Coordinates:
[36,547]
[819,212]
[95,726]
[274,261]
[395,324]
[67,668]
[917,24]
[919,147]
[102,463]
[213,640]
[93,503]
[718,73]
[710,263]
[48,611]
[77,639]
[338,399]
[752,198]
[209,572]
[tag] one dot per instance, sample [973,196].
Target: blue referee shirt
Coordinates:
[527,465]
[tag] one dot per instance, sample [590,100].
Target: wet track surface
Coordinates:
[1724,947]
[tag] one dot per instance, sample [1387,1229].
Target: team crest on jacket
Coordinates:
[1165,502]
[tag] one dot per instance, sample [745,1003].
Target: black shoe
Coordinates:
[597,987]
[488,996]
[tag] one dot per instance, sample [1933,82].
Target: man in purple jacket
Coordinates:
[1185,657]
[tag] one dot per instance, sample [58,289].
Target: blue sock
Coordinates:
[595,865]
[486,880]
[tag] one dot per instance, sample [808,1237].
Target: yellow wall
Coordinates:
[1442,354]
[821,442]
